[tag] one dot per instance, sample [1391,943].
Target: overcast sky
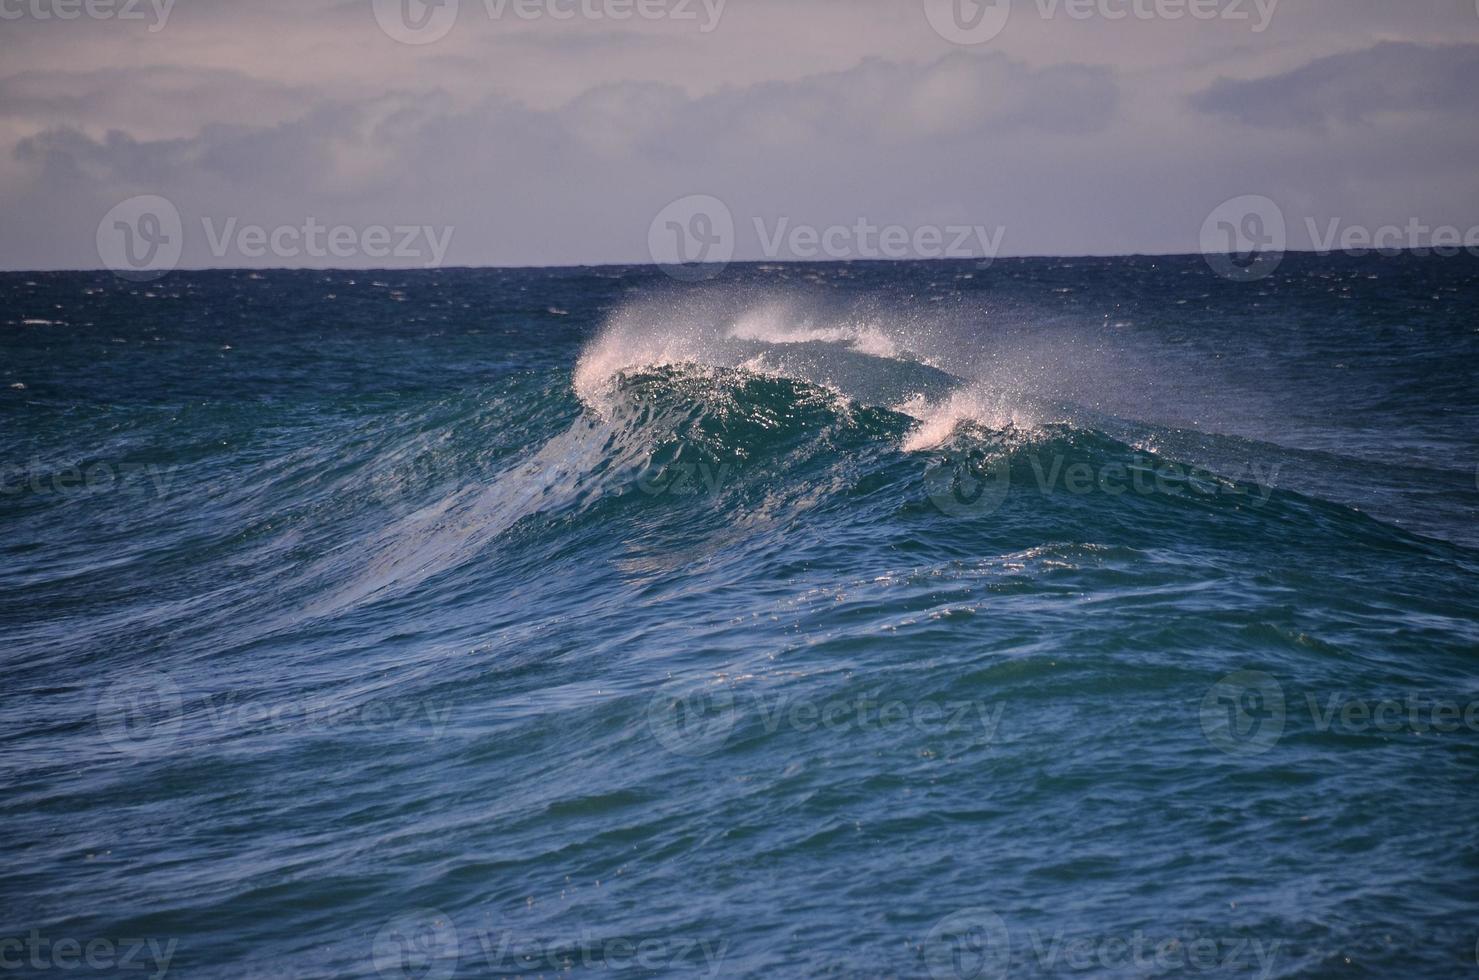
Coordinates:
[537,138]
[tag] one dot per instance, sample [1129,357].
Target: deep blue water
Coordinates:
[1081,617]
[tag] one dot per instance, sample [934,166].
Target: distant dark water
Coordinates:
[1066,617]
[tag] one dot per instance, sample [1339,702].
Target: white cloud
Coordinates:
[557,143]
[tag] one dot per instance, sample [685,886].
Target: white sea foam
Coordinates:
[776,324]
[974,404]
[724,333]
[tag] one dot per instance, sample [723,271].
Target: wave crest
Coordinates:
[871,360]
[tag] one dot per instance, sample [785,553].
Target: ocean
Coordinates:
[1052,617]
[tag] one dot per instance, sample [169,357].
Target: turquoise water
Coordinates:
[1058,618]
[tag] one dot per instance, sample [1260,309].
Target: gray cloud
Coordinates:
[1354,87]
[550,174]
[553,143]
[112,97]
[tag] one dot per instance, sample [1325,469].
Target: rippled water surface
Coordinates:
[1062,617]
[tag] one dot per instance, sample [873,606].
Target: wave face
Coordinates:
[852,619]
